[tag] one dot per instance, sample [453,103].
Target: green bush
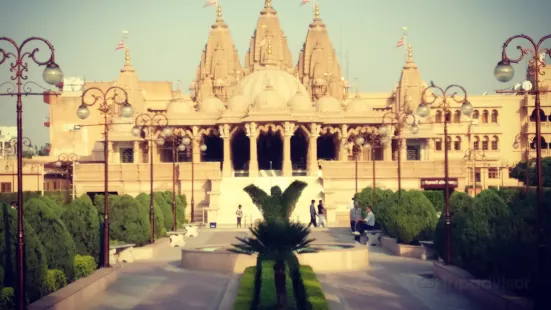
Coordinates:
[82,221]
[7,198]
[181,205]
[314,293]
[410,217]
[365,197]
[165,204]
[245,293]
[35,259]
[57,241]
[52,204]
[144,201]
[84,266]
[55,279]
[437,199]
[126,221]
[60,197]
[7,298]
[267,297]
[99,202]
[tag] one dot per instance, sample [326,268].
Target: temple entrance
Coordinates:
[299,149]
[240,150]
[270,151]
[215,149]
[327,147]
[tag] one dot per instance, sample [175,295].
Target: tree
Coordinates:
[276,238]
[519,172]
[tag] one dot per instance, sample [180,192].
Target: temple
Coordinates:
[270,120]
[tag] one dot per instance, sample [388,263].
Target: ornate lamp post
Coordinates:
[373,141]
[423,110]
[52,75]
[66,161]
[187,142]
[106,101]
[177,147]
[472,155]
[504,72]
[146,123]
[398,119]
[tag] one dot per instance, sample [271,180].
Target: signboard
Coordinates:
[438,183]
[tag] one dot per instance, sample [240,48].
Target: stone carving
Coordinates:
[251,130]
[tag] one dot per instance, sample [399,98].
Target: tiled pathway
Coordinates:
[393,283]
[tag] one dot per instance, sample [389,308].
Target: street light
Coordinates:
[472,154]
[146,123]
[399,119]
[504,72]
[66,161]
[373,141]
[177,147]
[106,101]
[423,111]
[187,142]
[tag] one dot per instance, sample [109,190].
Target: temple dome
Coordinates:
[300,102]
[329,104]
[284,83]
[179,106]
[211,105]
[357,105]
[238,103]
[269,99]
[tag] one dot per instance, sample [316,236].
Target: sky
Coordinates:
[454,42]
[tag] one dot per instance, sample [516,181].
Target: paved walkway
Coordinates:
[393,283]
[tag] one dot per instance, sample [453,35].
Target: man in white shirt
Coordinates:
[355,215]
[368,223]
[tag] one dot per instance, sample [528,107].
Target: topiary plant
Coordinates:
[84,266]
[82,221]
[55,279]
[181,204]
[165,204]
[57,241]
[52,204]
[144,201]
[127,222]
[35,259]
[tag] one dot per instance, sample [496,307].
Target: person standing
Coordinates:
[313,214]
[355,214]
[321,214]
[239,214]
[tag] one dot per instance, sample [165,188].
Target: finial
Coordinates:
[268,4]
[316,11]
[127,56]
[219,13]
[410,53]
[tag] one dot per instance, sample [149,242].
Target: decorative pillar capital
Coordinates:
[289,129]
[251,129]
[224,131]
[315,130]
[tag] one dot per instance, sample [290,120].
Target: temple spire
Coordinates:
[316,11]
[410,53]
[219,17]
[267,4]
[127,64]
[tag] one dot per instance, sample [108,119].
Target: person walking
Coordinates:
[239,214]
[321,214]
[313,214]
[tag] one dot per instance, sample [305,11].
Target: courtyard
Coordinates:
[391,283]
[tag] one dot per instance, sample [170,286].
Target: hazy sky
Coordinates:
[453,41]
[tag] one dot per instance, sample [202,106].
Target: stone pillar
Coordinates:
[156,152]
[403,150]
[195,149]
[387,152]
[110,152]
[137,152]
[226,164]
[287,134]
[343,151]
[252,133]
[313,149]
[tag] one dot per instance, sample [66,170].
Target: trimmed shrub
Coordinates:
[7,198]
[144,201]
[82,221]
[7,298]
[315,297]
[126,221]
[165,205]
[55,279]
[437,199]
[245,293]
[60,197]
[35,259]
[58,244]
[411,217]
[99,202]
[268,296]
[365,197]
[52,204]
[84,266]
[181,205]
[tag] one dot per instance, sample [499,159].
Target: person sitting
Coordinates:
[362,225]
[355,215]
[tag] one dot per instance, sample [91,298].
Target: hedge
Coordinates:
[127,222]
[165,204]
[144,201]
[268,297]
[245,293]
[437,198]
[7,298]
[82,221]
[55,279]
[35,258]
[84,266]
[58,245]
[314,295]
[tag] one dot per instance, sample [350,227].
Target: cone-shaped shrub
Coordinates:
[82,221]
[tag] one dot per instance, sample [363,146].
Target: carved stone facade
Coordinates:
[269,122]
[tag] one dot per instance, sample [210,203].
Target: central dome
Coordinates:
[284,83]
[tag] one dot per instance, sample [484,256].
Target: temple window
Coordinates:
[533,116]
[457,116]
[484,116]
[544,144]
[493,173]
[494,116]
[438,117]
[449,144]
[127,155]
[495,143]
[5,187]
[438,145]
[476,143]
[485,143]
[448,116]
[457,144]
[476,114]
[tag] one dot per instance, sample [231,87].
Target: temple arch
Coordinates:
[299,149]
[215,148]
[327,146]
[270,150]
[240,150]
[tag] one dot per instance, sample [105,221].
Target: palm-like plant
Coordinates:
[278,241]
[276,238]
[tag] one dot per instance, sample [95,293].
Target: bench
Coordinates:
[428,249]
[192,229]
[121,253]
[176,238]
